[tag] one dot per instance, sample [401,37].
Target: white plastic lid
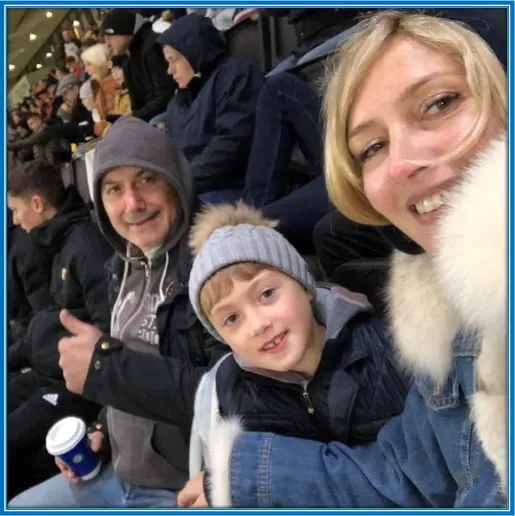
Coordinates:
[64,435]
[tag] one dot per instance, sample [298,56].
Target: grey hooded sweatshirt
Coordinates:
[146,283]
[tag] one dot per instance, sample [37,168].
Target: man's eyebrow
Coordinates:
[113,182]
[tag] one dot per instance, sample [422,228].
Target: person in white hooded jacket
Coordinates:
[416,115]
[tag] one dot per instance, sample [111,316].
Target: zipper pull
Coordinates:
[307,399]
[147,271]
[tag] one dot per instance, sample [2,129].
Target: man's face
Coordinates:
[71,94]
[34,123]
[66,36]
[117,73]
[27,211]
[117,44]
[140,204]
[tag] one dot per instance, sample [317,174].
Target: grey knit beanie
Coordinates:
[227,234]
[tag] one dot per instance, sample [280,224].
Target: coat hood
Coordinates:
[133,142]
[197,39]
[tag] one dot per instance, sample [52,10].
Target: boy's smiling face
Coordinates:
[268,322]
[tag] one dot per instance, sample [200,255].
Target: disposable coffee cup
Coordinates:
[68,440]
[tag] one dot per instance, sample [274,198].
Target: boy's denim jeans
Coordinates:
[104,491]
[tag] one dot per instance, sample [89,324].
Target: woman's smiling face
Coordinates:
[414,104]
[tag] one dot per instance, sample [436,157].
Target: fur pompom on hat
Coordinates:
[226,234]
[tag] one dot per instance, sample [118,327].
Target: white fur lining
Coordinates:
[221,440]
[462,286]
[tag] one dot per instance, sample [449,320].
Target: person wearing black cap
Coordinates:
[150,87]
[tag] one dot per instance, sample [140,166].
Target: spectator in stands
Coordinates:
[212,115]
[96,59]
[150,88]
[59,72]
[71,45]
[157,351]
[252,289]
[68,88]
[78,122]
[45,142]
[122,101]
[23,154]
[386,165]
[74,66]
[87,97]
[59,221]
[28,276]
[312,28]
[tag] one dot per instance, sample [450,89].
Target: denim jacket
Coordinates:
[448,319]
[429,456]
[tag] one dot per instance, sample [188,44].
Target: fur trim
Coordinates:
[475,229]
[462,286]
[423,323]
[221,440]
[213,217]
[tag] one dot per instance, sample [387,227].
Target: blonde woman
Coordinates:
[96,62]
[415,112]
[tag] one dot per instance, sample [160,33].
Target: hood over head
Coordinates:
[133,142]
[197,39]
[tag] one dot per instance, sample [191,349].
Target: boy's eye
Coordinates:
[268,293]
[230,320]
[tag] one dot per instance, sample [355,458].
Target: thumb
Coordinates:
[71,323]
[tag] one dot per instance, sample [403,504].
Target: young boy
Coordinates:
[308,361]
[58,221]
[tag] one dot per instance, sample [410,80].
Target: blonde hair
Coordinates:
[97,55]
[221,284]
[485,76]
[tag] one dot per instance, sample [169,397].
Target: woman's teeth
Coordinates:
[430,204]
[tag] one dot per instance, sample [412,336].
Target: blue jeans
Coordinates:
[221,196]
[288,112]
[105,490]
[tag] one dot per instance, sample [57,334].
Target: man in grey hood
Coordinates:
[146,372]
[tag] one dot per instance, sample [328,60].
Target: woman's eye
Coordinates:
[440,104]
[370,151]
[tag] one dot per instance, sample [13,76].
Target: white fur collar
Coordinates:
[463,286]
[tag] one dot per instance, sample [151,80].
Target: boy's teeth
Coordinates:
[273,343]
[430,204]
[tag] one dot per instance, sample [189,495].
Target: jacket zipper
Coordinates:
[307,399]
[140,304]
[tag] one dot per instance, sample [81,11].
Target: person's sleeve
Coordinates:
[17,356]
[156,387]
[234,126]
[403,468]
[90,273]
[34,139]
[164,87]
[36,284]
